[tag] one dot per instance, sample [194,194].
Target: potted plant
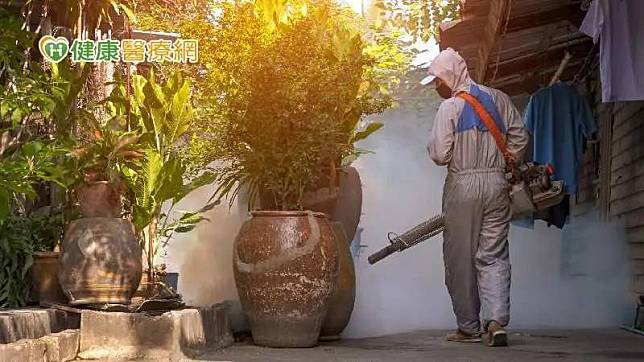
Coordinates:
[23,231]
[102,152]
[101,257]
[289,107]
[44,229]
[30,242]
[161,115]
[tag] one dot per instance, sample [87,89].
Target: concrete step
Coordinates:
[174,335]
[55,347]
[32,323]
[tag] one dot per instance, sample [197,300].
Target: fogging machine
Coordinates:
[532,191]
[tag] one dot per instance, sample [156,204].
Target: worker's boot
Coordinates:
[464,337]
[496,335]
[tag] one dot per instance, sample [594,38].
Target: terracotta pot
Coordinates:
[44,274]
[99,199]
[285,266]
[100,262]
[323,200]
[349,205]
[344,294]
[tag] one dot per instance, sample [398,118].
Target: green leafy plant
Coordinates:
[292,81]
[16,259]
[44,229]
[21,236]
[161,116]
[104,152]
[21,167]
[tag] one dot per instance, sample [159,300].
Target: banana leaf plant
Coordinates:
[161,114]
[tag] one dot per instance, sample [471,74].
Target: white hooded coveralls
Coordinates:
[476,201]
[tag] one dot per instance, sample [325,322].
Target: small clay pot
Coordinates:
[99,199]
[100,262]
[285,265]
[44,274]
[344,294]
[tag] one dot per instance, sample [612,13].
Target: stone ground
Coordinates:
[569,345]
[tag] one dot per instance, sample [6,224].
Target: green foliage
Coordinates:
[37,114]
[23,167]
[290,82]
[24,87]
[27,104]
[67,87]
[104,153]
[16,258]
[161,116]
[43,228]
[419,19]
[90,14]
[20,237]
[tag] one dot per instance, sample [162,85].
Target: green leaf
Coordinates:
[140,217]
[152,165]
[170,181]
[28,262]
[185,228]
[32,148]
[5,203]
[191,218]
[138,85]
[16,116]
[204,179]
[370,129]
[181,113]
[157,91]
[209,206]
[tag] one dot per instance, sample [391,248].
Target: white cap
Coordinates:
[428,79]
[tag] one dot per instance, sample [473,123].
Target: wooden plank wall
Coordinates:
[627,181]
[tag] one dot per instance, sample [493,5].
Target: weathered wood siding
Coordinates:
[627,181]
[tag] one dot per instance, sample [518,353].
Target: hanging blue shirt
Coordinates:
[559,120]
[470,119]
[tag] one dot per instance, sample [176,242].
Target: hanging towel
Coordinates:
[619,26]
[559,120]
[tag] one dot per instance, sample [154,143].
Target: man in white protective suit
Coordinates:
[476,201]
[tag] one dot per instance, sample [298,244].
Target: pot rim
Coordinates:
[46,254]
[289,213]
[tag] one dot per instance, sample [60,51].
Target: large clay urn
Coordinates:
[349,201]
[99,199]
[100,261]
[344,294]
[285,265]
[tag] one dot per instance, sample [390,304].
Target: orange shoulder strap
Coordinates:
[489,123]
